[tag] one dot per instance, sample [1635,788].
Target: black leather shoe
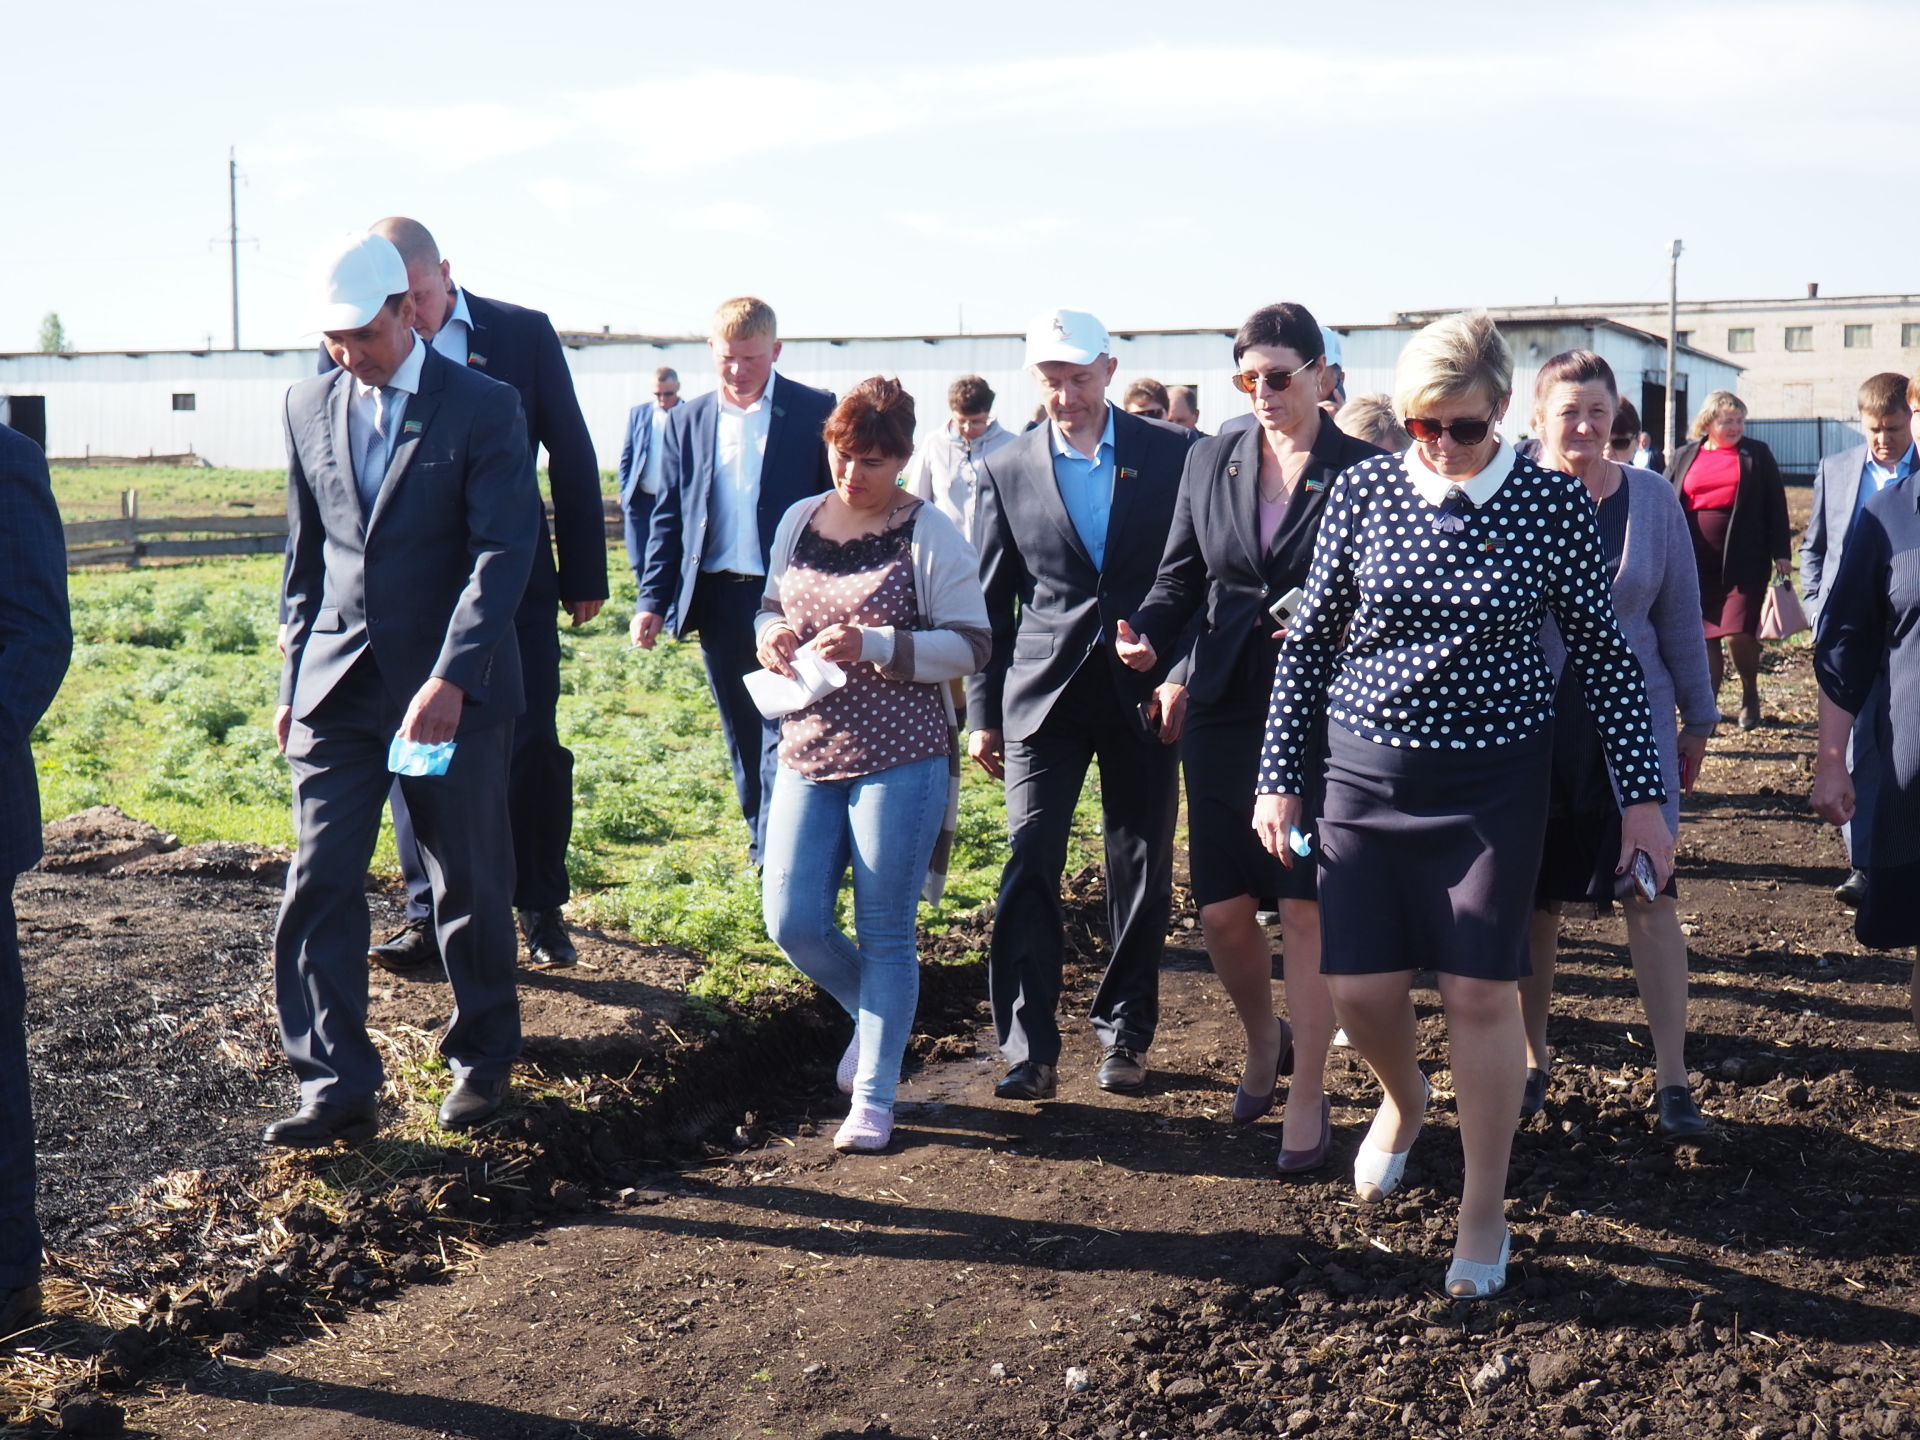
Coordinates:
[19,1308]
[1852,891]
[1122,1071]
[317,1123]
[547,943]
[471,1101]
[412,950]
[1680,1118]
[1533,1099]
[1029,1080]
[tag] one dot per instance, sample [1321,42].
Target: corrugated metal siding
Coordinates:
[1800,445]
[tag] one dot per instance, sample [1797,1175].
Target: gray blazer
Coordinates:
[431,579]
[1836,495]
[1656,599]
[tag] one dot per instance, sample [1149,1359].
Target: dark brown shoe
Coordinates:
[413,950]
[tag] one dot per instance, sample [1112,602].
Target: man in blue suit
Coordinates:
[641,463]
[1841,488]
[518,347]
[412,519]
[735,460]
[35,643]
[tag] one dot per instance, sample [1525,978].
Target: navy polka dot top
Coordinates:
[1424,632]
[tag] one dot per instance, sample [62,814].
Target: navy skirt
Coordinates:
[1889,917]
[1428,857]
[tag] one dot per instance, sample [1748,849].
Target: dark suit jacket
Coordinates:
[431,580]
[36,638]
[1213,551]
[794,468]
[636,505]
[1050,609]
[519,347]
[1836,496]
[1757,532]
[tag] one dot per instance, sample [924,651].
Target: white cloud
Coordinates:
[563,199]
[1000,234]
[459,135]
[734,217]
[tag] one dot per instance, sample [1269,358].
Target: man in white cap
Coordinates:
[412,519]
[1069,521]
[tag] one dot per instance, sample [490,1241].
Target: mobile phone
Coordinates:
[1147,716]
[1287,606]
[1643,876]
[1686,772]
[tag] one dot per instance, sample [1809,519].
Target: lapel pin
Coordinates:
[1233,469]
[474,357]
[1126,474]
[410,427]
[780,410]
[1317,483]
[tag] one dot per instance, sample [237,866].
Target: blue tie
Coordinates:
[372,466]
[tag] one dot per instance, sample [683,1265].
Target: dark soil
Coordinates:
[671,1248]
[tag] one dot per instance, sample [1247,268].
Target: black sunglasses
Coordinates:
[1467,432]
[1248,381]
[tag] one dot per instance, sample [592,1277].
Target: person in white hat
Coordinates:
[1069,520]
[412,518]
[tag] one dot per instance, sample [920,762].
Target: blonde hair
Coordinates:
[1370,418]
[1712,408]
[1451,358]
[745,318]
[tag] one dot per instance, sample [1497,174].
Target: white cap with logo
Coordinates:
[352,279]
[1070,335]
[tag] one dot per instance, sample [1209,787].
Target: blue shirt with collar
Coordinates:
[1876,477]
[1086,487]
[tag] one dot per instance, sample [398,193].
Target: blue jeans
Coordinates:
[885,824]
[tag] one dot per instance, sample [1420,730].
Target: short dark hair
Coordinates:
[393,302]
[1574,367]
[1626,423]
[1286,323]
[1883,394]
[874,418]
[666,372]
[970,395]
[1148,389]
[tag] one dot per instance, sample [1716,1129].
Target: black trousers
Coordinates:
[539,786]
[19,1230]
[1139,801]
[722,611]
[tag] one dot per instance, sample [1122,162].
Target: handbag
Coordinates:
[1780,613]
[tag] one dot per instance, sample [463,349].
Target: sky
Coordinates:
[902,169]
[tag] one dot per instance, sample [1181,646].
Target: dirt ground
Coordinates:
[659,1241]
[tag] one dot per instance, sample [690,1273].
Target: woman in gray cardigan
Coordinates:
[1656,598]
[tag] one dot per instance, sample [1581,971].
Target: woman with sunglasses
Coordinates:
[1418,647]
[1243,533]
[1656,598]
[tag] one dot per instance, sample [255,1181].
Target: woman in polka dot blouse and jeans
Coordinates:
[1419,642]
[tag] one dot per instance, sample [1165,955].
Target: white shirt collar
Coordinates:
[407,377]
[1478,488]
[1064,447]
[765,401]
[460,311]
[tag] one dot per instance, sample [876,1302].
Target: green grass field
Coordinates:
[167,711]
[93,492]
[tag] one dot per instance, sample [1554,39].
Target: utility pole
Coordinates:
[1673,348]
[233,239]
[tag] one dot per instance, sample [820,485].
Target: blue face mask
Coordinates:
[410,757]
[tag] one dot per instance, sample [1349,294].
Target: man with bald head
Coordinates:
[519,347]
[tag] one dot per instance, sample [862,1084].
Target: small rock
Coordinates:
[90,1415]
[996,1371]
[1552,1371]
[1302,1422]
[815,1371]
[1492,1375]
[1798,1096]
[1186,1389]
[1078,1380]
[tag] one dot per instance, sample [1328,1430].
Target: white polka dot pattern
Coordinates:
[1414,637]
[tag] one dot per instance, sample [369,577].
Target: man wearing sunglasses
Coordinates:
[1069,520]
[640,463]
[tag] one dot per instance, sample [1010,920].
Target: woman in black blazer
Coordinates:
[1736,507]
[1243,534]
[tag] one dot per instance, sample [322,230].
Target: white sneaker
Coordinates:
[849,1065]
[866,1129]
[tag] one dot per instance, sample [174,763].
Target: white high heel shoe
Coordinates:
[1470,1280]
[1376,1173]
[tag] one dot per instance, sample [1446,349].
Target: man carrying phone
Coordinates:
[1069,520]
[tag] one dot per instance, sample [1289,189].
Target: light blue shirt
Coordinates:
[1086,486]
[1877,477]
[453,337]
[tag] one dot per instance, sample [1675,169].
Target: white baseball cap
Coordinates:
[352,279]
[1070,335]
[1330,345]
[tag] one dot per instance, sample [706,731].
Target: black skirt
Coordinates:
[1428,857]
[1220,751]
[1889,916]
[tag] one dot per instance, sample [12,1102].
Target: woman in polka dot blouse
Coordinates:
[1419,642]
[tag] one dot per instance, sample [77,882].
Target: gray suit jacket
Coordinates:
[431,579]
[1836,495]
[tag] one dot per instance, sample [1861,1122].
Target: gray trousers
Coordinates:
[340,784]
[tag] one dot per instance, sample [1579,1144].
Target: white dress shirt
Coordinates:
[650,472]
[452,338]
[1479,487]
[739,451]
[371,435]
